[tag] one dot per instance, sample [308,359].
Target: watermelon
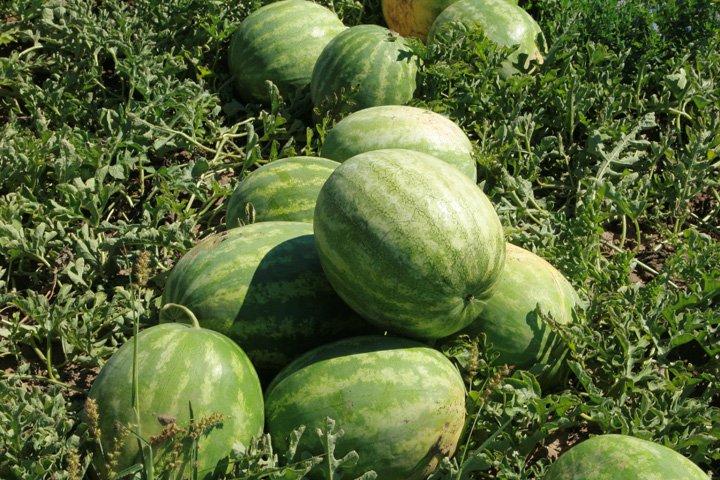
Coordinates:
[262,285]
[393,126]
[409,242]
[509,320]
[280,42]
[178,367]
[503,22]
[412,18]
[401,404]
[281,190]
[620,457]
[364,66]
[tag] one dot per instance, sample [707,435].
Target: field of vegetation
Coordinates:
[121,139]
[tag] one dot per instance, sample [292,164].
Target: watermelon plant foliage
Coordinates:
[121,138]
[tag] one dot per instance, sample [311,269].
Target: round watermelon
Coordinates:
[401,404]
[409,242]
[509,321]
[280,42]
[262,285]
[620,457]
[364,66]
[179,367]
[394,126]
[413,18]
[281,190]
[503,22]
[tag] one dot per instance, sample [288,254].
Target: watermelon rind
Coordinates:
[622,457]
[280,42]
[179,367]
[364,66]
[400,404]
[395,126]
[409,242]
[263,286]
[283,190]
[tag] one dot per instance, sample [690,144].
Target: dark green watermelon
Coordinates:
[400,403]
[263,286]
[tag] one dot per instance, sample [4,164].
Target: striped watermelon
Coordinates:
[412,18]
[179,366]
[503,22]
[620,457]
[393,126]
[281,190]
[262,285]
[401,404]
[280,42]
[364,66]
[408,242]
[509,320]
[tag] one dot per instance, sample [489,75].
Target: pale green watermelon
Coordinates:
[394,126]
[364,66]
[503,22]
[280,42]
[510,323]
[400,403]
[409,242]
[620,457]
[281,190]
[178,366]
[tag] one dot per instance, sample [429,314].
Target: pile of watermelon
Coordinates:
[337,275]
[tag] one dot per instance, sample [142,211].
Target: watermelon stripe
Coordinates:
[392,211]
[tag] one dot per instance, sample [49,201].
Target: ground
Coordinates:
[121,138]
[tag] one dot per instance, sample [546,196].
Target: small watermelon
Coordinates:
[509,320]
[281,190]
[620,457]
[413,18]
[409,242]
[262,285]
[280,42]
[503,22]
[400,403]
[364,66]
[393,126]
[179,367]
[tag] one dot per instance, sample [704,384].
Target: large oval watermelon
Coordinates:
[409,242]
[262,285]
[178,367]
[620,457]
[281,190]
[280,42]
[364,66]
[412,18]
[509,320]
[503,22]
[401,404]
[393,126]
